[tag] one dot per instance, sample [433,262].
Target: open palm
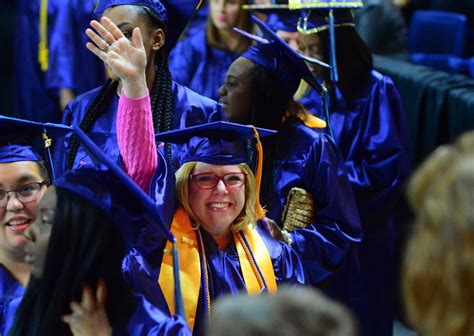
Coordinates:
[126,58]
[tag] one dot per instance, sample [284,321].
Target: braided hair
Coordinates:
[162,100]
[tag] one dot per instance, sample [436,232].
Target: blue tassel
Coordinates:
[332,48]
[178,295]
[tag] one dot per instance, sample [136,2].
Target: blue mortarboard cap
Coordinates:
[111,190]
[314,21]
[285,20]
[105,191]
[173,14]
[24,140]
[283,5]
[277,56]
[133,190]
[135,200]
[220,142]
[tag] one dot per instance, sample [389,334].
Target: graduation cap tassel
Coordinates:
[258,174]
[178,295]
[332,48]
[47,147]
[326,102]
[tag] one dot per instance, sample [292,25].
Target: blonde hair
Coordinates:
[438,270]
[248,215]
[213,38]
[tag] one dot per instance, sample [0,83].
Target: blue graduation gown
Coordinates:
[11,293]
[309,159]
[225,275]
[89,71]
[371,133]
[195,64]
[190,109]
[145,319]
[149,320]
[36,92]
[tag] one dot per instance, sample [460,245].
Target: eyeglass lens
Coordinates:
[231,180]
[25,193]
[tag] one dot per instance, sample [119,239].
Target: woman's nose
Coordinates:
[220,187]
[221,91]
[13,203]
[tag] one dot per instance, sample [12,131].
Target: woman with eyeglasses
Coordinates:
[222,250]
[76,248]
[23,181]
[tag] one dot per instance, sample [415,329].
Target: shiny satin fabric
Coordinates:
[195,64]
[190,109]
[223,269]
[36,92]
[11,293]
[371,133]
[309,159]
[146,319]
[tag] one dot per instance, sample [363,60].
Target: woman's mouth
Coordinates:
[18,225]
[219,206]
[222,102]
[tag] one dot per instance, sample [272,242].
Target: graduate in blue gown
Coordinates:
[222,248]
[75,249]
[369,127]
[173,105]
[303,158]
[43,58]
[121,200]
[200,60]
[24,177]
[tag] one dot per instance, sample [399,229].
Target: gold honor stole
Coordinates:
[255,263]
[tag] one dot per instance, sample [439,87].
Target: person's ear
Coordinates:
[158,39]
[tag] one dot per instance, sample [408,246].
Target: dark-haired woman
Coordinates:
[76,241]
[173,106]
[369,128]
[200,61]
[302,163]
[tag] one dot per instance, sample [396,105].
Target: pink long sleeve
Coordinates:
[136,139]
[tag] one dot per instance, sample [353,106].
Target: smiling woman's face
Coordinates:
[39,232]
[218,207]
[17,216]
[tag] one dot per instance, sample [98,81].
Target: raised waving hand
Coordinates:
[126,58]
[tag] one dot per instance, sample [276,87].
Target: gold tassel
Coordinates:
[43,51]
[258,173]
